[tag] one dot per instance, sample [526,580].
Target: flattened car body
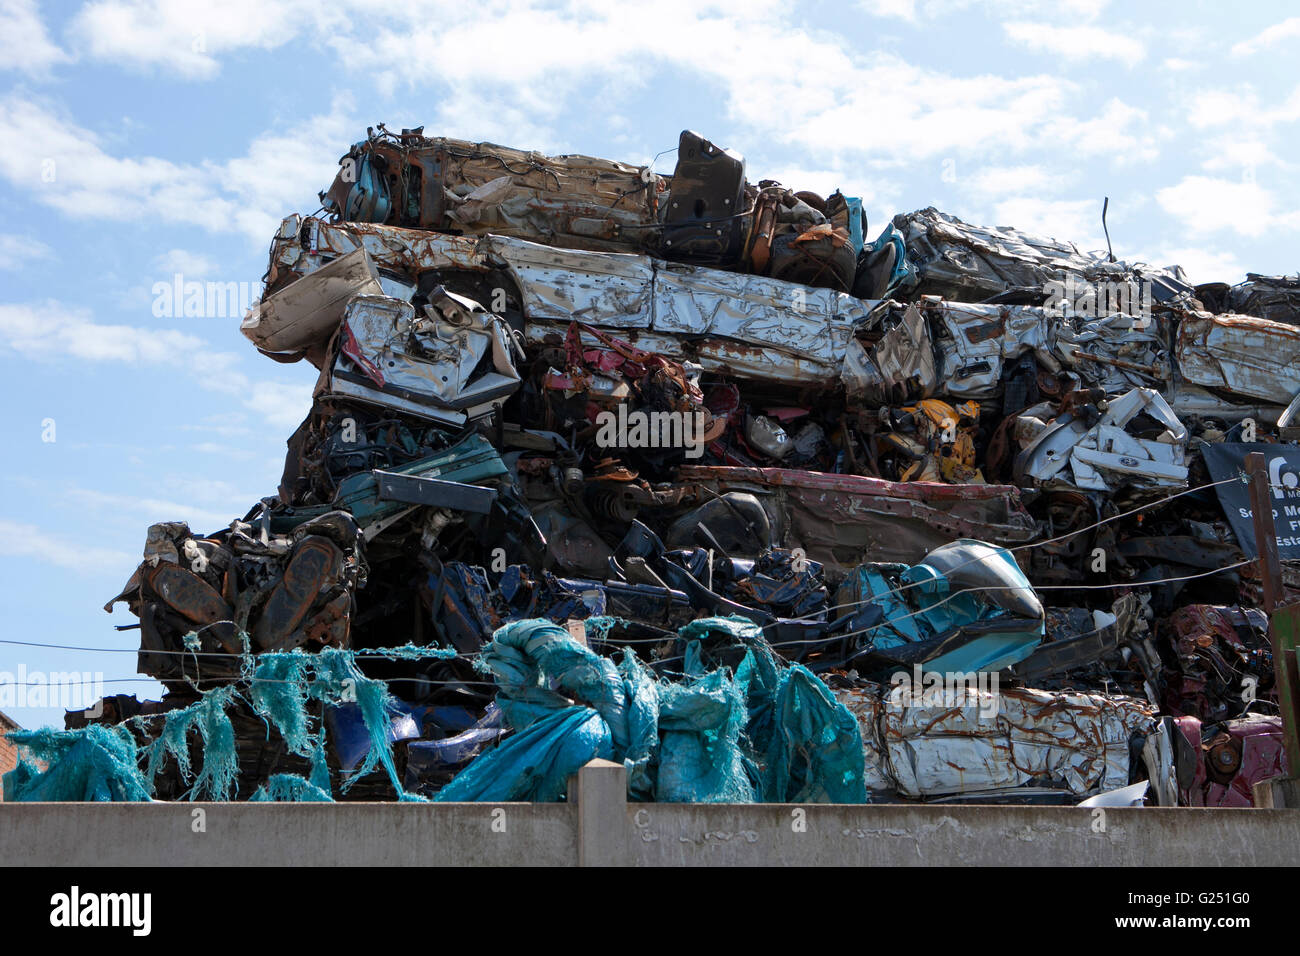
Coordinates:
[750,326]
[1241,355]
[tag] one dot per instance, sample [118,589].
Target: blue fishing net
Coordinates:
[220,766]
[765,730]
[815,751]
[534,764]
[700,760]
[290,788]
[769,731]
[99,762]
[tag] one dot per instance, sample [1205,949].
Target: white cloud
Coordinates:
[64,165]
[506,71]
[531,76]
[283,168]
[16,252]
[1068,220]
[51,331]
[1231,152]
[22,540]
[24,44]
[915,10]
[146,510]
[1240,108]
[182,37]
[995,182]
[1120,132]
[1268,37]
[1202,265]
[901,9]
[1205,205]
[191,265]
[283,405]
[1076,42]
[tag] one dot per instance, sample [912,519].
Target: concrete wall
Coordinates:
[303,834]
[598,827]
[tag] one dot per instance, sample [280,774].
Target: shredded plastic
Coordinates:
[104,763]
[220,767]
[97,763]
[763,730]
[290,788]
[768,731]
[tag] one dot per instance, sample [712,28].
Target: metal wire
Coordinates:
[821,640]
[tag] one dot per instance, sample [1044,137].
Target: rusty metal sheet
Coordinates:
[844,520]
[481,188]
[1241,354]
[998,738]
[974,341]
[304,244]
[750,326]
[608,289]
[694,301]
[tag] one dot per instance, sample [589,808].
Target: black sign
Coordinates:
[1283,463]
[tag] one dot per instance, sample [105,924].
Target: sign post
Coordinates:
[1284,622]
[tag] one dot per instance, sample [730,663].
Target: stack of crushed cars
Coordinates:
[709,429]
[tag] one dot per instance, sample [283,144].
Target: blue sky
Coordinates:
[143,139]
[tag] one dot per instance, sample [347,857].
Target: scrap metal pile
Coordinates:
[956,482]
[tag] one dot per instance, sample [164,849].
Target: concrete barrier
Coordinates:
[599,827]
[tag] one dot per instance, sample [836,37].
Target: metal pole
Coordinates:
[1283,623]
[1284,629]
[1261,507]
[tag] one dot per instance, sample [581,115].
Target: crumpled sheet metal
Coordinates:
[751,326]
[842,520]
[977,340]
[1231,757]
[303,244]
[963,350]
[1116,352]
[811,323]
[1241,354]
[1103,454]
[968,263]
[432,360]
[1276,298]
[485,188]
[902,362]
[311,309]
[1078,742]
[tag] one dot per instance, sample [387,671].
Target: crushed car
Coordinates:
[689,471]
